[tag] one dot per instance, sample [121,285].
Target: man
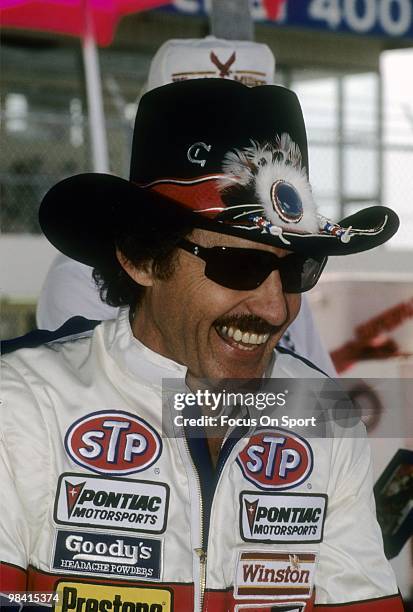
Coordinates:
[209,244]
[69,288]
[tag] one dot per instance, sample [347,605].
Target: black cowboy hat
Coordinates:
[214,154]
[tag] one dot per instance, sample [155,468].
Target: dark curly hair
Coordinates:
[154,241]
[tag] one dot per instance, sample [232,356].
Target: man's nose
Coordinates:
[268,300]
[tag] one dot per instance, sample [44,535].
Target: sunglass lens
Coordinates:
[299,273]
[239,269]
[247,269]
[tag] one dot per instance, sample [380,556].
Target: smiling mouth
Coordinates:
[244,340]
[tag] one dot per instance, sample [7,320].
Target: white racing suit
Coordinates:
[113,517]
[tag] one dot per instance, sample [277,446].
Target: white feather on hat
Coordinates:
[267,167]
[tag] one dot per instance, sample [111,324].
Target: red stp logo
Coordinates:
[113,442]
[276,459]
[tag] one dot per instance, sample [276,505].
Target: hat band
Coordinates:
[202,194]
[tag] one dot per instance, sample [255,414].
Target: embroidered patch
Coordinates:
[90,596]
[275,517]
[276,459]
[275,575]
[113,442]
[111,503]
[107,554]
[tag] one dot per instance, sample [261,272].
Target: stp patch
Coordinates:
[275,575]
[111,503]
[282,517]
[276,459]
[113,442]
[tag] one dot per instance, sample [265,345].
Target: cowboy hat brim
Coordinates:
[79,216]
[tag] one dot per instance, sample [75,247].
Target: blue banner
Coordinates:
[386,18]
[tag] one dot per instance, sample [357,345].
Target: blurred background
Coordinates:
[351,63]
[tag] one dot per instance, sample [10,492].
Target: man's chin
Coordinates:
[228,371]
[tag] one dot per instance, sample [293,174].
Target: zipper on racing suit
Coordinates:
[207,479]
[198,605]
[202,573]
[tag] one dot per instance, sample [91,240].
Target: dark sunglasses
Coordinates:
[247,269]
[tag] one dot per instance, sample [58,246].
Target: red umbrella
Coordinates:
[69,16]
[94,21]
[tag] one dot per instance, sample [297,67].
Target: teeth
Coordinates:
[237,335]
[244,337]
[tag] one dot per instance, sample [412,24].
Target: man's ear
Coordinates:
[140,274]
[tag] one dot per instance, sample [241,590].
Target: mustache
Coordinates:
[249,323]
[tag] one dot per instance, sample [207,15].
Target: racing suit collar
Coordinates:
[140,361]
